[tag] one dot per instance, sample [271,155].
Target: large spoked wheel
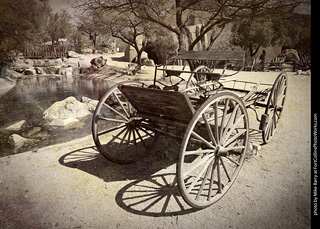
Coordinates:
[274,107]
[213,149]
[119,134]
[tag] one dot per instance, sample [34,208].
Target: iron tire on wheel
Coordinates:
[119,134]
[274,107]
[213,149]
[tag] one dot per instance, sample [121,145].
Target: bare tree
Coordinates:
[88,26]
[132,31]
[176,15]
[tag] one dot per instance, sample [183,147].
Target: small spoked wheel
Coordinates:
[196,78]
[119,134]
[274,107]
[213,149]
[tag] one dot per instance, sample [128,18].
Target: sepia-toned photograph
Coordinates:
[157,114]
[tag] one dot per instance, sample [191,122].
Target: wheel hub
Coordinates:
[133,123]
[221,151]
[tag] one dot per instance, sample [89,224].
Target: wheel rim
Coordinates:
[119,134]
[213,149]
[275,106]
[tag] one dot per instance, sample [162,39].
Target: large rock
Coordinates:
[72,54]
[30,71]
[90,103]
[98,62]
[21,65]
[66,109]
[17,141]
[63,122]
[16,126]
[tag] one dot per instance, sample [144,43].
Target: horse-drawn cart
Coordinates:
[206,109]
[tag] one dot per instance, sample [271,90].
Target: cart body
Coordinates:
[209,115]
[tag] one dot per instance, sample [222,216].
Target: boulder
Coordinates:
[39,70]
[16,126]
[72,54]
[21,65]
[30,71]
[54,69]
[63,122]
[98,62]
[65,109]
[17,140]
[90,103]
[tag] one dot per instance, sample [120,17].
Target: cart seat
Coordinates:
[159,104]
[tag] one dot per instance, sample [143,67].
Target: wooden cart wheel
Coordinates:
[274,107]
[213,149]
[197,77]
[119,134]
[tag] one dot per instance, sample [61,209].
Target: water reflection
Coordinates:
[30,97]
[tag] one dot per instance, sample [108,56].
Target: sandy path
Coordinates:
[71,186]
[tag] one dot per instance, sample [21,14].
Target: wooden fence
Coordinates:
[46,52]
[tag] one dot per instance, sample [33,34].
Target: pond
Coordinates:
[31,97]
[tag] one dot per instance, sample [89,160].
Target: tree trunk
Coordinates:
[183,39]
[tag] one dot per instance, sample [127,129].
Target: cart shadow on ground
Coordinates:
[153,191]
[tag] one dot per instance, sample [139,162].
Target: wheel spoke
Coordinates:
[216,129]
[115,111]
[225,169]
[212,180]
[193,167]
[227,135]
[194,134]
[209,130]
[205,166]
[141,139]
[224,117]
[231,120]
[110,130]
[235,137]
[219,177]
[121,104]
[198,152]
[209,168]
[112,120]
[233,161]
[121,142]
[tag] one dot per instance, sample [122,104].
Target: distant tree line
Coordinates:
[27,23]
[257,23]
[161,25]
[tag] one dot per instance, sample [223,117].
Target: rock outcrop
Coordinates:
[64,112]
[16,126]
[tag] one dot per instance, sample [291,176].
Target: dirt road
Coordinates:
[71,186]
